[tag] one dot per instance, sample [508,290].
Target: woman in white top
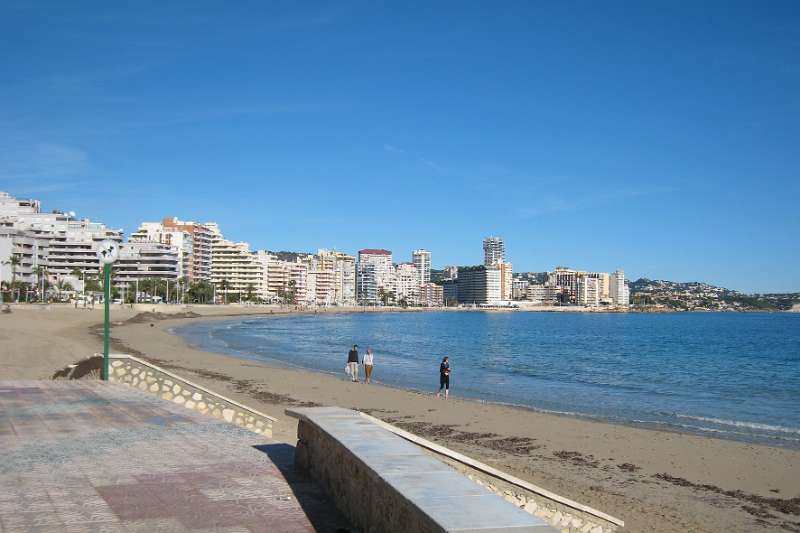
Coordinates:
[368,362]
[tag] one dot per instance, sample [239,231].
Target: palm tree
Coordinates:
[41,274]
[224,286]
[14,262]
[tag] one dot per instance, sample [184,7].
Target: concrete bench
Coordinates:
[382,482]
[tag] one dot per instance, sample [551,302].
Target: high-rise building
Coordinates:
[375,275]
[367,284]
[407,284]
[202,237]
[494,251]
[422,260]
[618,288]
[588,291]
[479,285]
[506,280]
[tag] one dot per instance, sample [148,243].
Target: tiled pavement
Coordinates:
[93,456]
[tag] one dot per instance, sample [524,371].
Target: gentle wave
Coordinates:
[741,424]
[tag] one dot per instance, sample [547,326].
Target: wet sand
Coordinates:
[654,480]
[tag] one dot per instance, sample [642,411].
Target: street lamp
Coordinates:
[107,253]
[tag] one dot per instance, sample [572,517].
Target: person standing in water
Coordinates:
[368,361]
[444,377]
[352,362]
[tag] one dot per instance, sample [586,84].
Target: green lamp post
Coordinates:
[108,252]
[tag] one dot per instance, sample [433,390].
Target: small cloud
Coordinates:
[431,164]
[393,149]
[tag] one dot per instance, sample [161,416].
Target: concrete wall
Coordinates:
[168,386]
[382,482]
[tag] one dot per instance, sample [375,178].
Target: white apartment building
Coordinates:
[181,240]
[234,268]
[287,281]
[542,294]
[22,254]
[618,288]
[407,283]
[519,289]
[588,291]
[431,295]
[375,275]
[494,251]
[422,261]
[145,260]
[10,206]
[344,269]
[71,244]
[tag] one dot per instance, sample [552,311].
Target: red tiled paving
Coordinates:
[93,456]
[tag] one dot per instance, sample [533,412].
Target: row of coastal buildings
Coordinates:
[494,284]
[58,247]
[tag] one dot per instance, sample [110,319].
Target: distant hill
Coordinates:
[697,295]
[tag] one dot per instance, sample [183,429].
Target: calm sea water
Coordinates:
[723,374]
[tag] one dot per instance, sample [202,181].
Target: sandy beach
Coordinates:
[655,481]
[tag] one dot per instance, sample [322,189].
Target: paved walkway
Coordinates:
[92,456]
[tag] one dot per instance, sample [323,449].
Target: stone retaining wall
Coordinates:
[562,513]
[168,386]
[564,518]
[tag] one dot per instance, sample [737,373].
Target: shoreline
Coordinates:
[655,480]
[729,429]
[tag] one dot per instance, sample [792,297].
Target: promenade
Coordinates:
[93,456]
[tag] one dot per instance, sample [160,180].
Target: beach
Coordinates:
[653,480]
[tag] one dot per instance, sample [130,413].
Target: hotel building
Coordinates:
[479,285]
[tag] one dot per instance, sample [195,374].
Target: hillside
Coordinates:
[697,295]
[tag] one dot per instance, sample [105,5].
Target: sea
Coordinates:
[727,375]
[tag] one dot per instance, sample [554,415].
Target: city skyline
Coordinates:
[669,148]
[149,232]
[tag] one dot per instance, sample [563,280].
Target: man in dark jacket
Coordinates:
[352,362]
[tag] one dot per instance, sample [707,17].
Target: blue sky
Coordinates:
[658,137]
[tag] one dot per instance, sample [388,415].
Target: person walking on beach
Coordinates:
[444,377]
[368,361]
[352,362]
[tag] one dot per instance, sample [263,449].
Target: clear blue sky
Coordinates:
[658,137]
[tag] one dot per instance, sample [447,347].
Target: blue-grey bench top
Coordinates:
[451,499]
